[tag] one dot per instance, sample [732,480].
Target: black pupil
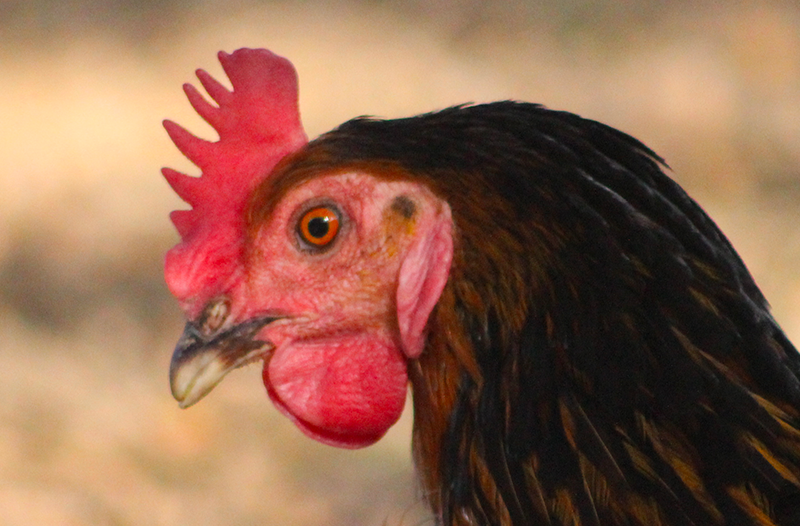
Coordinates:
[318,227]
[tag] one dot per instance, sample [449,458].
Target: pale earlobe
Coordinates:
[422,278]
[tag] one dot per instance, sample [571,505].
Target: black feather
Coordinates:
[629,371]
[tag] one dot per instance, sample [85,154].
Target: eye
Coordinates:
[318,227]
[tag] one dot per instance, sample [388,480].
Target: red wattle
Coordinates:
[345,391]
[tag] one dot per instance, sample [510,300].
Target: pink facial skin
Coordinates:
[355,311]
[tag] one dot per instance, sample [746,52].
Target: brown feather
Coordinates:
[600,354]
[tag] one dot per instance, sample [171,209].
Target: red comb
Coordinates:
[258,123]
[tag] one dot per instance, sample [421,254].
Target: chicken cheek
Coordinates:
[345,392]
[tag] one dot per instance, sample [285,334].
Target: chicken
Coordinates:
[583,344]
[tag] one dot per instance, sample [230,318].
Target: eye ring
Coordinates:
[319,226]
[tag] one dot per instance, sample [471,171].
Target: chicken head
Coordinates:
[329,279]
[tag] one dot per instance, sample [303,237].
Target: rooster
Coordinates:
[583,344]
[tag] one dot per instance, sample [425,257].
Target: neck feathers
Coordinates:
[600,354]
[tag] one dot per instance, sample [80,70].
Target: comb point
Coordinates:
[185,222]
[188,188]
[197,150]
[209,112]
[215,89]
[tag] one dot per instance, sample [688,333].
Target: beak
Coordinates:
[201,361]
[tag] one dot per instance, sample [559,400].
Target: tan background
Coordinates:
[89,434]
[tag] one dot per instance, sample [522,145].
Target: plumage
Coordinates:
[598,353]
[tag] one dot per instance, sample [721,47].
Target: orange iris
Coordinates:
[319,226]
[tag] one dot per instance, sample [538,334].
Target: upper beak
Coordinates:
[200,361]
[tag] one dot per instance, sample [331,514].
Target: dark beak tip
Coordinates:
[200,362]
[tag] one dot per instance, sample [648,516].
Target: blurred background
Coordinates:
[89,434]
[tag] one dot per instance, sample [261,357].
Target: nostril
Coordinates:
[213,317]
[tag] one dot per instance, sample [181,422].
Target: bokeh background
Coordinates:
[89,434]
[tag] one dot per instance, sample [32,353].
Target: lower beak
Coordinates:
[200,362]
